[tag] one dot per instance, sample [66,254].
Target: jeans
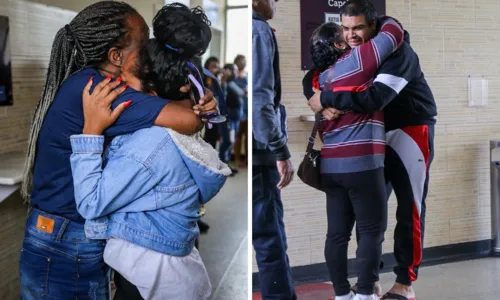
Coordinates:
[227,142]
[59,262]
[269,238]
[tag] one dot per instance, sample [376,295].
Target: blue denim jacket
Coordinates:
[150,190]
[269,130]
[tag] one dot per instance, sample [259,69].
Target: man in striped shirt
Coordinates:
[352,157]
[401,90]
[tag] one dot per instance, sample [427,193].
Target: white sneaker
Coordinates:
[366,297]
[349,296]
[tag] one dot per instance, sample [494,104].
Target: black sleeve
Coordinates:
[392,76]
[307,84]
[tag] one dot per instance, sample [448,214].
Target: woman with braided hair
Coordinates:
[57,260]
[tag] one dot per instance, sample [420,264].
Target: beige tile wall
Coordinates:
[454,39]
[32,30]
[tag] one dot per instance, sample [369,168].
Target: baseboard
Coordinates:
[432,256]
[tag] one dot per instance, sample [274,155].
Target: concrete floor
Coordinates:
[224,249]
[474,279]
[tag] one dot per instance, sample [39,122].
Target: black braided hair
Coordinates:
[85,41]
[322,48]
[182,35]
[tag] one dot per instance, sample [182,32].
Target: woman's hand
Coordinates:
[97,105]
[206,105]
[331,113]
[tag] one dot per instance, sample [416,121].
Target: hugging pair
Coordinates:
[120,183]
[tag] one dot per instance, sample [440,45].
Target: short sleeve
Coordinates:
[141,113]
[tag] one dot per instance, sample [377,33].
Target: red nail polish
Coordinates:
[125,86]
[90,79]
[127,104]
[119,79]
[109,78]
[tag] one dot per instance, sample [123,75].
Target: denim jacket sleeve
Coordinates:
[265,123]
[100,192]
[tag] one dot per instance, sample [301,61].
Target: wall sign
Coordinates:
[322,11]
[5,63]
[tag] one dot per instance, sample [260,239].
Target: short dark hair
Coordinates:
[353,8]
[211,59]
[238,58]
[230,67]
[182,35]
[322,48]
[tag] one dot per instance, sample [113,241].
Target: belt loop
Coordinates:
[62,229]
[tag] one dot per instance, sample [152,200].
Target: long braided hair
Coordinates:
[85,41]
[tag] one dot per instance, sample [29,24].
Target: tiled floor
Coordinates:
[224,249]
[475,279]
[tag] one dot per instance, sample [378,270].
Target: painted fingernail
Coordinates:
[109,78]
[127,104]
[125,86]
[119,79]
[90,79]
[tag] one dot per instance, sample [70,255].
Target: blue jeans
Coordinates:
[59,262]
[269,238]
[226,143]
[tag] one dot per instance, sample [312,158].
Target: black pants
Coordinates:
[125,290]
[409,154]
[355,197]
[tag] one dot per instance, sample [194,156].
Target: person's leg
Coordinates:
[268,237]
[225,142]
[245,140]
[409,155]
[368,197]
[340,219]
[237,143]
[125,290]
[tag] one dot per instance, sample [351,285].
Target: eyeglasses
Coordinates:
[199,91]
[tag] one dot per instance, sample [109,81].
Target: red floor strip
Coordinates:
[316,291]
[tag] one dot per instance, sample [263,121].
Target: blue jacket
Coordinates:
[151,189]
[269,130]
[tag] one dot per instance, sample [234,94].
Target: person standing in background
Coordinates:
[212,65]
[242,81]
[272,168]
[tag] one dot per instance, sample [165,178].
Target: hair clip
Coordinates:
[172,48]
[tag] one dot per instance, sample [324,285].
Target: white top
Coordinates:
[11,168]
[158,276]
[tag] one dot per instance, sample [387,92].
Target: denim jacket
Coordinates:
[150,190]
[269,117]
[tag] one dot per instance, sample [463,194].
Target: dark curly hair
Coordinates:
[322,48]
[181,35]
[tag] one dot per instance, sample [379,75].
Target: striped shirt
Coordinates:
[355,142]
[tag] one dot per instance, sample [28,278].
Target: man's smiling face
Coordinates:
[357,30]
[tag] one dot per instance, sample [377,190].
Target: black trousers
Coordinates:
[355,197]
[125,290]
[409,154]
